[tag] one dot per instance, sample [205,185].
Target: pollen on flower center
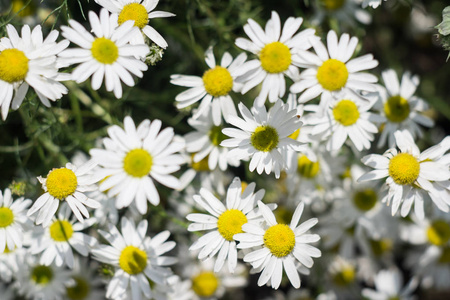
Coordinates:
[365,200]
[280,239]
[404,168]
[61,230]
[275,57]
[333,4]
[230,222]
[104,51]
[346,112]
[345,276]
[133,260]
[307,168]
[205,284]
[265,138]
[13,65]
[396,109]
[80,290]
[6,217]
[332,74]
[217,81]
[216,136]
[42,275]
[135,12]
[438,233]
[138,163]
[61,183]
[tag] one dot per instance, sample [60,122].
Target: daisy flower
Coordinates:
[107,55]
[213,88]
[263,136]
[12,220]
[389,285]
[401,110]
[225,221]
[331,69]
[410,174]
[139,11]
[70,184]
[133,157]
[275,48]
[29,61]
[137,258]
[281,246]
[56,241]
[88,285]
[347,118]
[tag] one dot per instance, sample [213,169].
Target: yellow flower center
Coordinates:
[42,275]
[201,166]
[396,109]
[205,284]
[265,138]
[445,256]
[346,112]
[138,163]
[61,230]
[230,222]
[345,276]
[438,233]
[333,4]
[61,183]
[275,57]
[216,136]
[280,239]
[404,168]
[104,51]
[80,290]
[217,81]
[379,247]
[6,217]
[135,12]
[295,134]
[332,74]
[13,65]
[307,168]
[133,260]
[365,200]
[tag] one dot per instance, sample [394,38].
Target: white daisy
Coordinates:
[56,241]
[389,285]
[139,11]
[343,273]
[108,55]
[410,174]
[70,184]
[401,110]
[133,157]
[29,61]
[347,118]
[331,69]
[88,285]
[136,257]
[225,221]
[263,136]
[213,88]
[281,246]
[275,49]
[12,220]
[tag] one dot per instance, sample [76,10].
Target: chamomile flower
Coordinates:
[331,69]
[65,184]
[136,257]
[388,284]
[12,220]
[139,11]
[133,157]
[410,174]
[401,109]
[29,61]
[108,55]
[56,241]
[347,118]
[263,136]
[275,48]
[88,285]
[213,88]
[225,221]
[281,246]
